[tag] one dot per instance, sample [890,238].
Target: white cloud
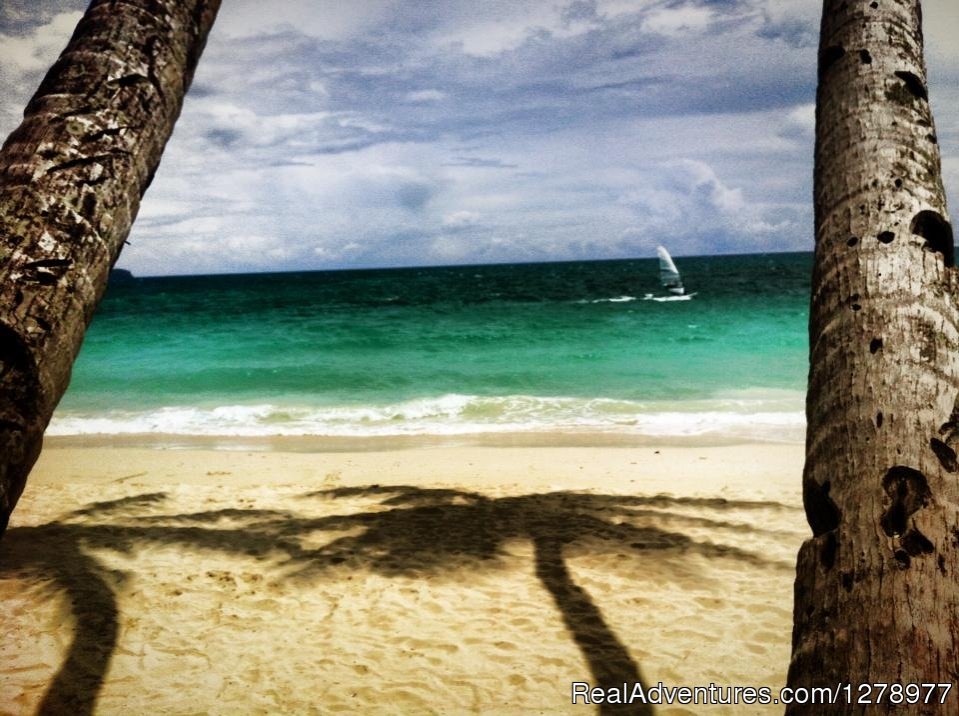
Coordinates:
[326,19]
[800,121]
[488,29]
[461,219]
[698,179]
[689,19]
[38,50]
[427,95]
[23,61]
[685,201]
[795,19]
[452,249]
[614,8]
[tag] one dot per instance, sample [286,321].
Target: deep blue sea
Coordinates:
[552,347]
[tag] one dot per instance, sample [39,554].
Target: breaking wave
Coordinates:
[773,415]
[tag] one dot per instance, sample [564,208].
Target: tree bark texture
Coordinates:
[71,179]
[877,586]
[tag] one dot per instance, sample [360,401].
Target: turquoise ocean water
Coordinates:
[574,347]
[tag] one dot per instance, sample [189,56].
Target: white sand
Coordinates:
[424,580]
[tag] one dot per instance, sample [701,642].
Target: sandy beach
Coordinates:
[439,579]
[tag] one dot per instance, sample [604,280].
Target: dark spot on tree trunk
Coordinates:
[84,161]
[129,80]
[879,419]
[886,237]
[89,205]
[46,272]
[847,580]
[903,560]
[50,263]
[916,543]
[873,5]
[930,337]
[907,492]
[915,86]
[865,57]
[852,241]
[827,556]
[946,455]
[937,232]
[822,512]
[942,563]
[898,183]
[950,429]
[42,277]
[875,344]
[932,138]
[829,56]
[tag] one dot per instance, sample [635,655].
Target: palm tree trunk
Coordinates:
[71,179]
[877,586]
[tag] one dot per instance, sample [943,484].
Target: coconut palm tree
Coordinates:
[876,588]
[71,178]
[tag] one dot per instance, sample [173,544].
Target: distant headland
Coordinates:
[121,276]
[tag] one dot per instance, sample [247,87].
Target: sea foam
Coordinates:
[750,415]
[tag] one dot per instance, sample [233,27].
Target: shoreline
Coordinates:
[442,578]
[381,443]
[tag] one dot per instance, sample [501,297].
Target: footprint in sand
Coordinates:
[224,578]
[434,608]
[711,602]
[265,605]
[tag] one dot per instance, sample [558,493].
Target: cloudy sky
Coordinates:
[352,133]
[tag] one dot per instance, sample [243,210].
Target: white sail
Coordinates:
[668,273]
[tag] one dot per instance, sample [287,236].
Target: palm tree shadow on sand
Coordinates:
[406,531]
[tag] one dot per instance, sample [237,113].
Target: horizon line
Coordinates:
[405,267]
